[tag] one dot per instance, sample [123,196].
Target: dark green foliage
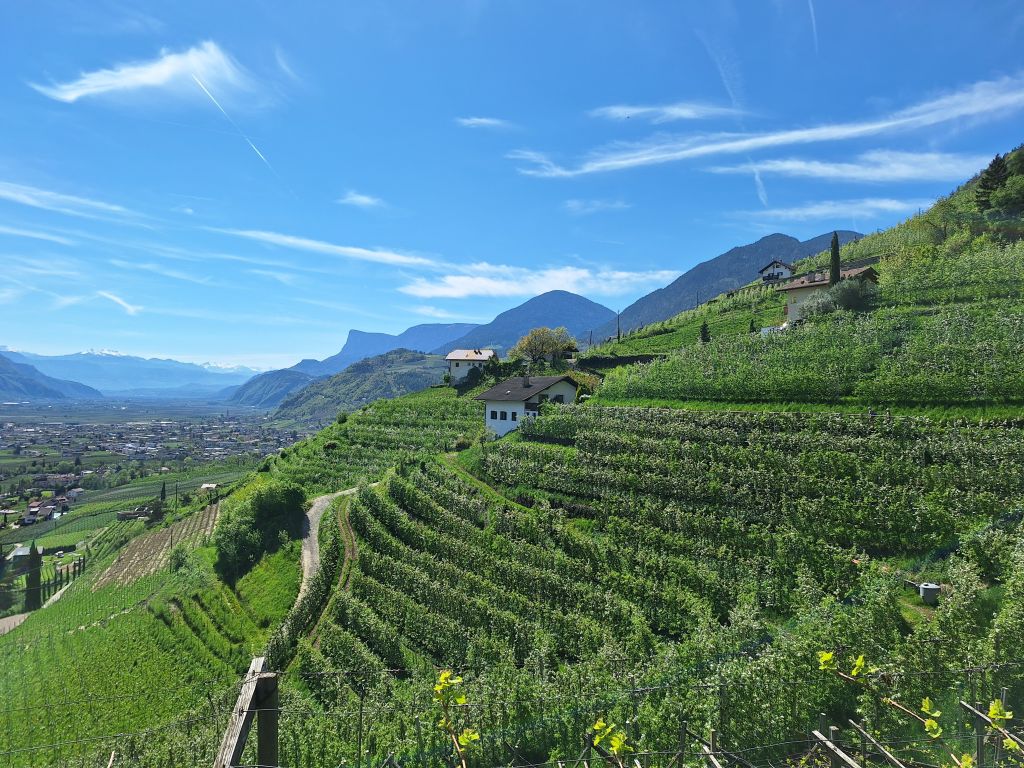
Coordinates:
[705,333]
[753,326]
[34,578]
[992,178]
[253,522]
[835,266]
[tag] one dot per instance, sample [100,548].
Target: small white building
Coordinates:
[775,270]
[462,361]
[799,291]
[509,402]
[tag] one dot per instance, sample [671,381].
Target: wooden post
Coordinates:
[979,738]
[836,754]
[269,704]
[833,736]
[259,692]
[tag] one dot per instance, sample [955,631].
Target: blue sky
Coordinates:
[244,183]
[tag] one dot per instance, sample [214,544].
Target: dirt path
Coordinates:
[10,622]
[311,539]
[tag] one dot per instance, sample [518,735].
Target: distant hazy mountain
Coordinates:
[111,372]
[20,381]
[730,270]
[389,375]
[552,309]
[267,390]
[362,344]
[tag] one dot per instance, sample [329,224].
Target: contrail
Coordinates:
[814,24]
[235,126]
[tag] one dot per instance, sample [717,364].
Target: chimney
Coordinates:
[526,380]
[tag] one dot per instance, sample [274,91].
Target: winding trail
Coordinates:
[311,537]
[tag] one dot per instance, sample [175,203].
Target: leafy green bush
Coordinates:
[252,521]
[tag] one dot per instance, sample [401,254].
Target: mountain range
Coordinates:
[21,381]
[732,269]
[363,344]
[82,374]
[125,375]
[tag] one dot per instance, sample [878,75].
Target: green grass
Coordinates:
[269,590]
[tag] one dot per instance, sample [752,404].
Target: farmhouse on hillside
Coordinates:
[462,361]
[509,402]
[803,288]
[775,270]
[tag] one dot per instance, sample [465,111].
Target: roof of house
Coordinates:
[521,388]
[773,262]
[470,354]
[815,279]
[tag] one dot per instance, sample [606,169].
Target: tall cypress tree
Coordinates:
[163,491]
[705,332]
[834,267]
[34,579]
[992,178]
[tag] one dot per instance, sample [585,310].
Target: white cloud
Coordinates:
[435,312]
[360,200]
[285,278]
[170,73]
[35,235]
[875,166]
[664,113]
[485,279]
[482,122]
[865,208]
[984,100]
[131,309]
[162,271]
[586,207]
[379,256]
[59,202]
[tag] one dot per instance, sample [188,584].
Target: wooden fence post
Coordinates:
[258,695]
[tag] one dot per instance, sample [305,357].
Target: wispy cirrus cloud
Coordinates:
[587,207]
[170,73]
[664,113]
[161,270]
[359,200]
[131,309]
[58,202]
[483,122]
[35,235]
[864,208]
[981,101]
[875,166]
[485,279]
[380,256]
[438,313]
[284,278]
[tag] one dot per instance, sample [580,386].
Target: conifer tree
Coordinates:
[34,579]
[753,328]
[992,178]
[163,491]
[705,332]
[835,266]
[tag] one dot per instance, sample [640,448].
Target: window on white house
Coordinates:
[514,415]
[494,415]
[456,365]
[504,415]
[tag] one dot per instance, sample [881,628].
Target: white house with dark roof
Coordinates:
[462,361]
[509,402]
[801,290]
[775,270]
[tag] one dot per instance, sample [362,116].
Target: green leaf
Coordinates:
[932,728]
[858,666]
[617,745]
[997,713]
[1010,745]
[826,660]
[468,736]
[928,708]
[966,761]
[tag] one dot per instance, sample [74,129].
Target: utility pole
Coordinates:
[618,327]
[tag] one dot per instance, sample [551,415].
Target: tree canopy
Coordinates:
[541,343]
